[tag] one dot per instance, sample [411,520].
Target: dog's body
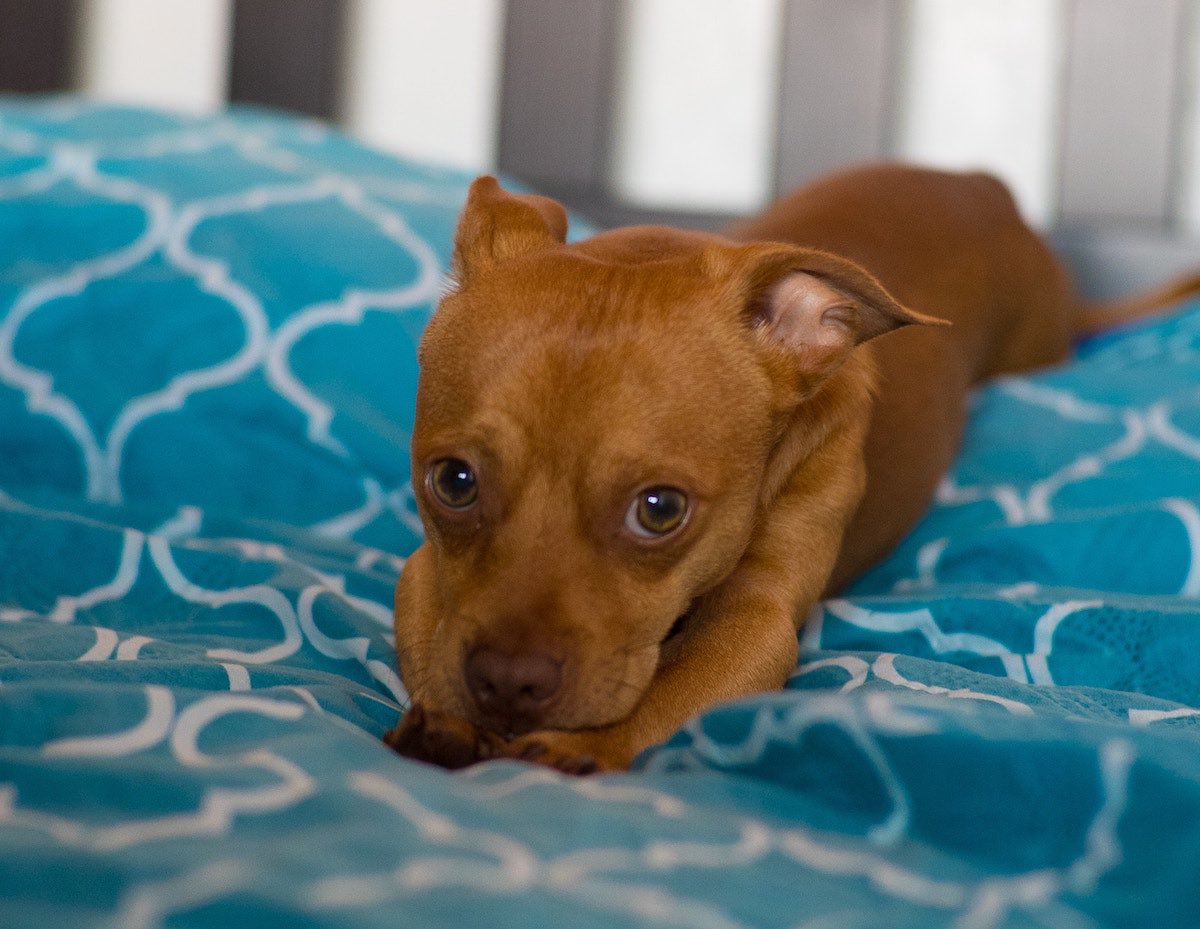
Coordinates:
[643,458]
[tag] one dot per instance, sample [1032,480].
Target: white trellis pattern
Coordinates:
[207,365]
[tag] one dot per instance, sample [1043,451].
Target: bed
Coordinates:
[207,364]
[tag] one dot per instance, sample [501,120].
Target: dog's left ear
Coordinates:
[818,307]
[496,225]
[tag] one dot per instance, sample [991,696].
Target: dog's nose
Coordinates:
[514,691]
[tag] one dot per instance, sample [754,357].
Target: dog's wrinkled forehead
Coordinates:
[581,350]
[714,311]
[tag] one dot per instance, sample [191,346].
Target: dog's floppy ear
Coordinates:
[818,307]
[496,225]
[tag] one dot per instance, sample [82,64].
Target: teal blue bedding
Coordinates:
[207,365]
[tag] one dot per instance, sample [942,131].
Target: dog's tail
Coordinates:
[1095,317]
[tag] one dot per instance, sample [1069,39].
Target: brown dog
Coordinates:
[641,459]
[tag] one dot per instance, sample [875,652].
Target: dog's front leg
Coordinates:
[741,646]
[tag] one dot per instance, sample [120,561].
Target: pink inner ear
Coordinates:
[802,311]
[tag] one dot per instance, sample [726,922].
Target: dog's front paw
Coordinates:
[580,752]
[442,739]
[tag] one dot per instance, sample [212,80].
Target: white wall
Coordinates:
[980,86]
[169,53]
[696,102]
[422,77]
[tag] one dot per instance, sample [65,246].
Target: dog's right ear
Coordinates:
[497,225]
[817,307]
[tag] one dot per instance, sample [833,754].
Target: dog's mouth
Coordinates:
[506,726]
[511,722]
[678,626]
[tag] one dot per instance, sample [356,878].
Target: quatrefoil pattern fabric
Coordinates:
[207,367]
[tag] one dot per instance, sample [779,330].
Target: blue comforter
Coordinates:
[207,364]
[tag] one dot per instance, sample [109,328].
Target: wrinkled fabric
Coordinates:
[207,368]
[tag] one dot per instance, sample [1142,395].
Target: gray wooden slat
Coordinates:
[1121,112]
[285,53]
[556,92]
[836,90]
[37,44]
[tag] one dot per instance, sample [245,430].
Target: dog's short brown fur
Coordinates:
[562,383]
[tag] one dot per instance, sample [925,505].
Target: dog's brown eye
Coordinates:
[656,511]
[453,482]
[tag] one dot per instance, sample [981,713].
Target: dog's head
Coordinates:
[596,434]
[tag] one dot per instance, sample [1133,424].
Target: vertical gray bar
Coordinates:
[555,92]
[285,54]
[37,44]
[835,85]
[1121,110]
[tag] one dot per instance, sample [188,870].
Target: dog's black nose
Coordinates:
[512,692]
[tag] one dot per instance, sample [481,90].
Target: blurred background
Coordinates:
[690,109]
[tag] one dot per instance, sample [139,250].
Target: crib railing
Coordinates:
[692,110]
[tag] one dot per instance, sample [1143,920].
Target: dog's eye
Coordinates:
[453,482]
[656,511]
